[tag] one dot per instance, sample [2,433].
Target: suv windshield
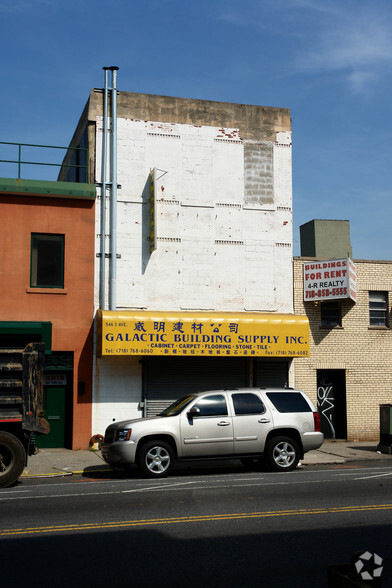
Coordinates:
[177,406]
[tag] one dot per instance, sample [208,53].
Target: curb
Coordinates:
[61,474]
[52,475]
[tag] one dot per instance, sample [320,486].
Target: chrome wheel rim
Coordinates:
[157,459]
[284,454]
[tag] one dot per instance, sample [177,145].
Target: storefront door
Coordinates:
[54,403]
[331,403]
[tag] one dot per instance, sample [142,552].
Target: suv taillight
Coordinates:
[316,418]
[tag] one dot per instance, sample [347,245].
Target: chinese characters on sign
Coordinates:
[330,280]
[203,336]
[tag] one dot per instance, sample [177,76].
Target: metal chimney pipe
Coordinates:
[113,199]
[103,194]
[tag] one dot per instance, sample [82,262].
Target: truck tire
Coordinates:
[12,459]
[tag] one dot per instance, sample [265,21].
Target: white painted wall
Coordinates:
[224,227]
[117,386]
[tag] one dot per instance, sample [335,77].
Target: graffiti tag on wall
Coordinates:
[326,406]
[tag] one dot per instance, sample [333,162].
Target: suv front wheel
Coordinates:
[156,459]
[282,454]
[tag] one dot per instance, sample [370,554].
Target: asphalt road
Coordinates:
[206,527]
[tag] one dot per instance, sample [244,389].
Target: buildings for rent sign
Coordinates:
[330,280]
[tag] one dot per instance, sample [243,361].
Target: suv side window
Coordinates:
[289,402]
[247,404]
[214,405]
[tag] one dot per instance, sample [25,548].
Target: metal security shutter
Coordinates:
[273,374]
[167,378]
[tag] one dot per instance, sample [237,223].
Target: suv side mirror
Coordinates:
[193,412]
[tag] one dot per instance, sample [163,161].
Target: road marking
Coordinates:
[13,492]
[191,519]
[196,484]
[356,473]
[217,481]
[71,494]
[166,486]
[346,467]
[300,472]
[374,476]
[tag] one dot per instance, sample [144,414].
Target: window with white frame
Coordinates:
[378,309]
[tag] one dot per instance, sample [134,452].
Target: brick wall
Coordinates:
[363,352]
[224,223]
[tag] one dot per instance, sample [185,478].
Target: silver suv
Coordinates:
[272,425]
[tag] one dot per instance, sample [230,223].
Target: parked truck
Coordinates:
[21,408]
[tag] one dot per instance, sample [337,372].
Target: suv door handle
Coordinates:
[223,424]
[264,420]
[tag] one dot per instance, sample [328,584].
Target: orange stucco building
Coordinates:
[46,294]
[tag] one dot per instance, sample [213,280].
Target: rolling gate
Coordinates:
[166,379]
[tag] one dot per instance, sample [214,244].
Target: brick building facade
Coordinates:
[348,373]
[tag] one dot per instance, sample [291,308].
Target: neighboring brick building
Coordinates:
[46,293]
[348,373]
[203,248]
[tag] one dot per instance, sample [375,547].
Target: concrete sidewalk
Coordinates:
[64,462]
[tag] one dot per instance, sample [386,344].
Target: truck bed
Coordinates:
[21,386]
[11,385]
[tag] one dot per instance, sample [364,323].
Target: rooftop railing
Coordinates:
[76,166]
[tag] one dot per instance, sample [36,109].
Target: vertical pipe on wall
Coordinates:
[113,199]
[103,194]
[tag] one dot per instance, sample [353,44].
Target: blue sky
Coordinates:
[329,61]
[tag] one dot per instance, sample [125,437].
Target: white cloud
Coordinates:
[353,39]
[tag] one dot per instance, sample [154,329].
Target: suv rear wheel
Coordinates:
[282,454]
[156,459]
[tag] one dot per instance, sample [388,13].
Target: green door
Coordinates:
[54,403]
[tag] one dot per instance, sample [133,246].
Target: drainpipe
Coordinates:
[113,199]
[103,195]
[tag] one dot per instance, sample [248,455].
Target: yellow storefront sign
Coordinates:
[202,333]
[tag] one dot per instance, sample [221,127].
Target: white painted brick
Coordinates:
[221,246]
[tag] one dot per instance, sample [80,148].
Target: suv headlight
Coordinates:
[123,435]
